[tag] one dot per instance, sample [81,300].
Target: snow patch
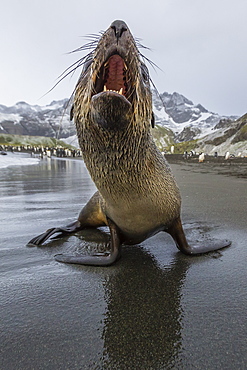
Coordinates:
[15,117]
[72,140]
[17,159]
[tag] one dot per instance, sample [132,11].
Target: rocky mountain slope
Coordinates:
[24,119]
[187,120]
[227,135]
[177,120]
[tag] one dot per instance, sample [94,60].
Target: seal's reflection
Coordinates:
[143,317]
[142,327]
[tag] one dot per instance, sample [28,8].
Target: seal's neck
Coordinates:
[110,153]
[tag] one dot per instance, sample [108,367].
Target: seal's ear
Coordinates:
[152,120]
[71,113]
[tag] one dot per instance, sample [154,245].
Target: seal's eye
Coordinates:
[145,73]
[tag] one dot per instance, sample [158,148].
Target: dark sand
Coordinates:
[154,309]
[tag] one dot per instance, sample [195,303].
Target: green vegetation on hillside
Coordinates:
[33,141]
[241,134]
[163,137]
[185,146]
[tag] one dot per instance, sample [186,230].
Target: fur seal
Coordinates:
[137,194]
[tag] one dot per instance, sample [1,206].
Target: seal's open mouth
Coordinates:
[113,76]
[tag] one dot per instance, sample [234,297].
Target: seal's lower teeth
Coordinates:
[118,92]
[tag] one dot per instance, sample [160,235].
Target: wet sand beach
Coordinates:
[154,309]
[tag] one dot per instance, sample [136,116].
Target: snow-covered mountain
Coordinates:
[187,120]
[227,136]
[23,119]
[175,116]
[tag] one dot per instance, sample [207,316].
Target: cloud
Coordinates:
[200,46]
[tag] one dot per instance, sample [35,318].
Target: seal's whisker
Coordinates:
[63,76]
[140,45]
[94,39]
[78,64]
[153,65]
[160,97]
[94,36]
[61,79]
[88,46]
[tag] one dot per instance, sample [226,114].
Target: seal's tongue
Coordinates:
[115,75]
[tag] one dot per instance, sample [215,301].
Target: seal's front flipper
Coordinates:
[91,215]
[97,259]
[61,231]
[177,232]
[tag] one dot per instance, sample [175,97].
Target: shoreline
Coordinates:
[236,166]
[150,308]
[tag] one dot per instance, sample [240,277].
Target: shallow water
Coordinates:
[17,159]
[154,309]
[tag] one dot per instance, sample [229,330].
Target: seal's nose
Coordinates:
[119,28]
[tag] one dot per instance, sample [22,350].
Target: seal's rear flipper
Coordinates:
[71,228]
[209,246]
[97,259]
[177,232]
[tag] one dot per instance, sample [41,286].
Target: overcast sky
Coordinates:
[200,45]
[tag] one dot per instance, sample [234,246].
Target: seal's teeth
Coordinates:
[116,91]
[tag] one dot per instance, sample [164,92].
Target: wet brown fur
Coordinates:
[137,194]
[125,165]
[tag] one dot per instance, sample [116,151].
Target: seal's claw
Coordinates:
[42,237]
[71,228]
